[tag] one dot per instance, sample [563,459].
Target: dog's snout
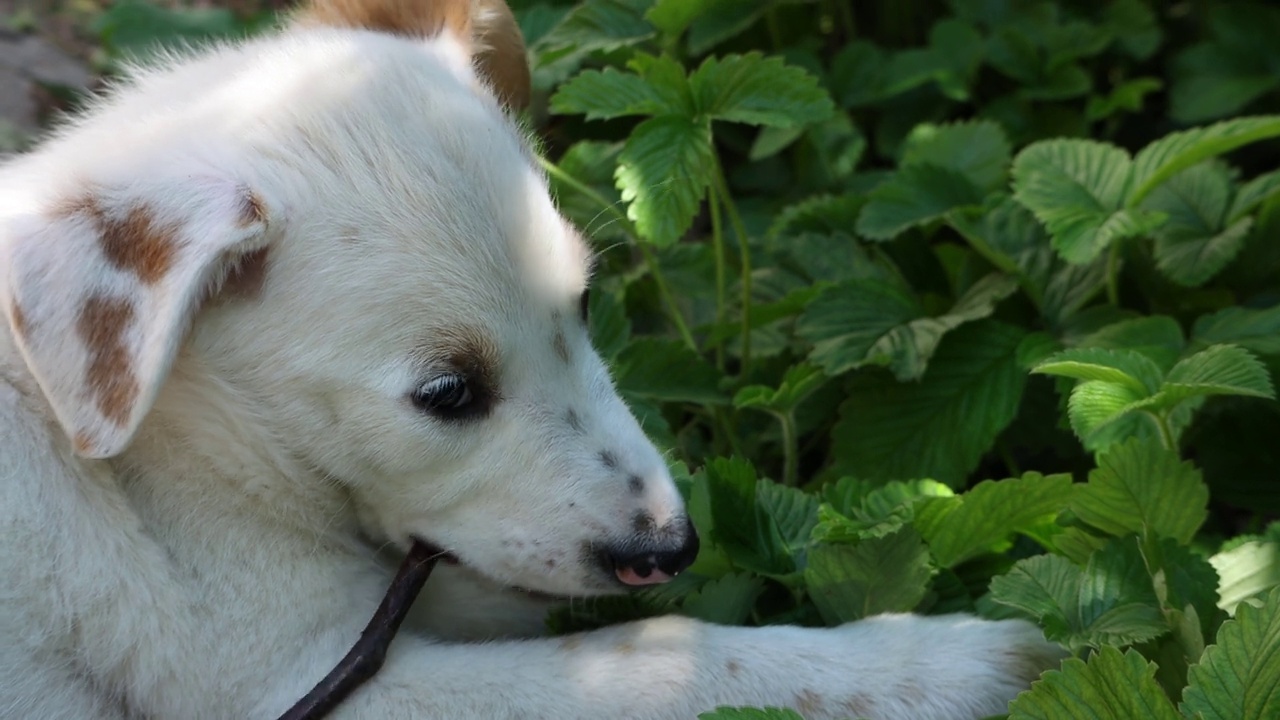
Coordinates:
[652,563]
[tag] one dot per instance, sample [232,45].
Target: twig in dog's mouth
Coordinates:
[365,658]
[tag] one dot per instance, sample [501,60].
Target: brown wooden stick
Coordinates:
[367,655]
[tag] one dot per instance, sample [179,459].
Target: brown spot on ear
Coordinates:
[809,703]
[82,444]
[18,320]
[102,324]
[487,26]
[500,55]
[416,18]
[560,345]
[135,243]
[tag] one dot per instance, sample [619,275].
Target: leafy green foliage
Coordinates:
[856,261]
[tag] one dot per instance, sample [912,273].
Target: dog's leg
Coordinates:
[892,667]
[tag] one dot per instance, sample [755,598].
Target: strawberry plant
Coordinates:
[941,306]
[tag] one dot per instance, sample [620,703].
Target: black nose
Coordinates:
[652,563]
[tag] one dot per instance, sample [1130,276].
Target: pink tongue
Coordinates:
[630,577]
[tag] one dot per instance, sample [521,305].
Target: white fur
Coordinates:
[213,555]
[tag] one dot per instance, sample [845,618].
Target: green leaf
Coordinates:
[1218,370]
[915,195]
[666,370]
[852,581]
[1098,411]
[1256,330]
[1128,368]
[1110,686]
[1196,243]
[1168,156]
[758,90]
[1246,571]
[940,426]
[797,384]
[601,95]
[1220,77]
[1254,193]
[610,327]
[725,601]
[1128,96]
[135,28]
[1140,487]
[961,527]
[1158,337]
[746,713]
[867,322]
[1239,676]
[1110,602]
[978,150]
[1077,189]
[663,172]
[600,25]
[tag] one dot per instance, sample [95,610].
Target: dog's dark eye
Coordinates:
[584,304]
[448,396]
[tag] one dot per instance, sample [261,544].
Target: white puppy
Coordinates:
[275,303]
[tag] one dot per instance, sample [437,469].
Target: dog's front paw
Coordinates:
[951,667]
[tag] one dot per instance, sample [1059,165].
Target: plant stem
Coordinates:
[745,251]
[717,244]
[1165,430]
[1113,274]
[651,261]
[790,450]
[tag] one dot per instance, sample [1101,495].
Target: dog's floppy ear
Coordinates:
[101,286]
[486,27]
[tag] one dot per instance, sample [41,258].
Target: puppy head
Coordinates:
[415,329]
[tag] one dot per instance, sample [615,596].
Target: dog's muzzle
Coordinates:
[650,562]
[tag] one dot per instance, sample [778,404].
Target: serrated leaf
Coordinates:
[1128,96]
[977,149]
[1140,487]
[1239,676]
[663,173]
[1077,189]
[865,322]
[852,581]
[1166,157]
[789,516]
[1246,571]
[1110,686]
[1256,330]
[1195,243]
[940,426]
[600,25]
[1099,411]
[1254,193]
[915,195]
[746,713]
[961,527]
[601,95]
[1158,337]
[797,384]
[727,600]
[758,90]
[1217,370]
[1111,601]
[1128,368]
